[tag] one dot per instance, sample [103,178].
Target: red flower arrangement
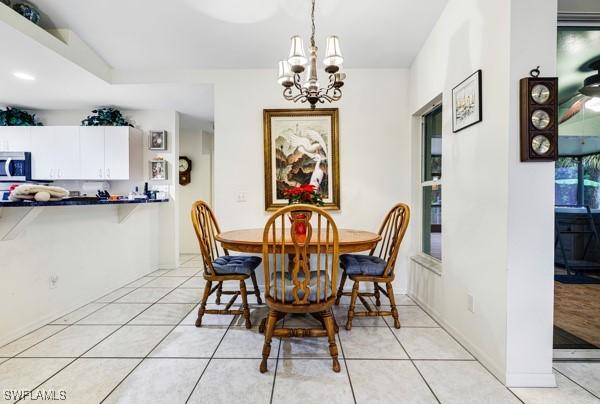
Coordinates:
[304,194]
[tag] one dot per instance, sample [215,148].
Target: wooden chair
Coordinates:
[377,267]
[219,266]
[291,285]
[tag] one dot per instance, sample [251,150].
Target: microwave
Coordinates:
[15,166]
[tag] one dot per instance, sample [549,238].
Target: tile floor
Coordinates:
[138,344]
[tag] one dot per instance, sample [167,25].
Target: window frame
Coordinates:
[423,183]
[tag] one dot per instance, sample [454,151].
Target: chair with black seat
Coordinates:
[220,267]
[299,284]
[377,267]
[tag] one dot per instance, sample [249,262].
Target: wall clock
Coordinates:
[185,170]
[539,118]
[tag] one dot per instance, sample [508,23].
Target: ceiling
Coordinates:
[211,34]
[146,36]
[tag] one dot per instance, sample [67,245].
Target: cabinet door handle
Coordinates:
[59,173]
[99,173]
[108,173]
[51,173]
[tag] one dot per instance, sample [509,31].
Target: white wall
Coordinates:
[197,144]
[85,246]
[488,195]
[374,148]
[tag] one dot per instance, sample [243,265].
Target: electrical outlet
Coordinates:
[52,281]
[471,303]
[242,197]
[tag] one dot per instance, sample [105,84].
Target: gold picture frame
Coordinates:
[301,146]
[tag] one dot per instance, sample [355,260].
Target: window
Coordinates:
[577,181]
[431,183]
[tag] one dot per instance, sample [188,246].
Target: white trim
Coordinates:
[431,183]
[481,356]
[531,380]
[428,262]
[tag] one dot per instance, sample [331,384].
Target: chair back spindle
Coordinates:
[290,237]
[392,232]
[206,228]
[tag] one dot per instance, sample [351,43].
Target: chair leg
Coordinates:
[330,328]
[341,289]
[256,289]
[245,307]
[352,304]
[202,308]
[390,292]
[269,329]
[377,294]
[219,293]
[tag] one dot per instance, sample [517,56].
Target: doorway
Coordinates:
[577,196]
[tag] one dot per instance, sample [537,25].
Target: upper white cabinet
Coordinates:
[91,140]
[55,153]
[78,152]
[15,138]
[116,153]
[110,152]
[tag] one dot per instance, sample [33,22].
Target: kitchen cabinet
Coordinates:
[55,153]
[15,138]
[116,153]
[91,140]
[110,153]
[78,152]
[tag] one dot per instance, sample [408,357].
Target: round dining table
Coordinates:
[251,240]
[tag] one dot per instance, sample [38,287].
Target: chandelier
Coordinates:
[309,89]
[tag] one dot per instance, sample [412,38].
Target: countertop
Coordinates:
[78,202]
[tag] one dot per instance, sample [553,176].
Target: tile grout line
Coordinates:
[276,368]
[575,382]
[344,359]
[146,356]
[412,361]
[208,362]
[99,342]
[469,352]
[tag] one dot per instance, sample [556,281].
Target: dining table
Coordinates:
[251,241]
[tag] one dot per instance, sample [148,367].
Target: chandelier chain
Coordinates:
[312,16]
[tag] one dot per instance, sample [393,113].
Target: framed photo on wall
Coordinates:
[158,140]
[301,147]
[466,102]
[158,170]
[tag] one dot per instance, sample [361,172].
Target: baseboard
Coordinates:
[531,380]
[493,367]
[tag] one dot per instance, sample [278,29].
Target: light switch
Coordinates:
[241,197]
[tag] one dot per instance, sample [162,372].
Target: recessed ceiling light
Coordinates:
[24,76]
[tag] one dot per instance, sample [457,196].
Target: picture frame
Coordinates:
[467,102]
[159,170]
[157,140]
[301,146]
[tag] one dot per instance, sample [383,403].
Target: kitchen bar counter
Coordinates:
[78,202]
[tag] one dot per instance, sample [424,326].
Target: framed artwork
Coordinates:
[301,147]
[466,102]
[158,140]
[158,170]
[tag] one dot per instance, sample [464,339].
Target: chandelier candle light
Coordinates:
[310,90]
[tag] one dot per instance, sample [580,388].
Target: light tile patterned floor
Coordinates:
[138,344]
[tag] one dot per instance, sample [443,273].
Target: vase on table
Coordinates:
[300,221]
